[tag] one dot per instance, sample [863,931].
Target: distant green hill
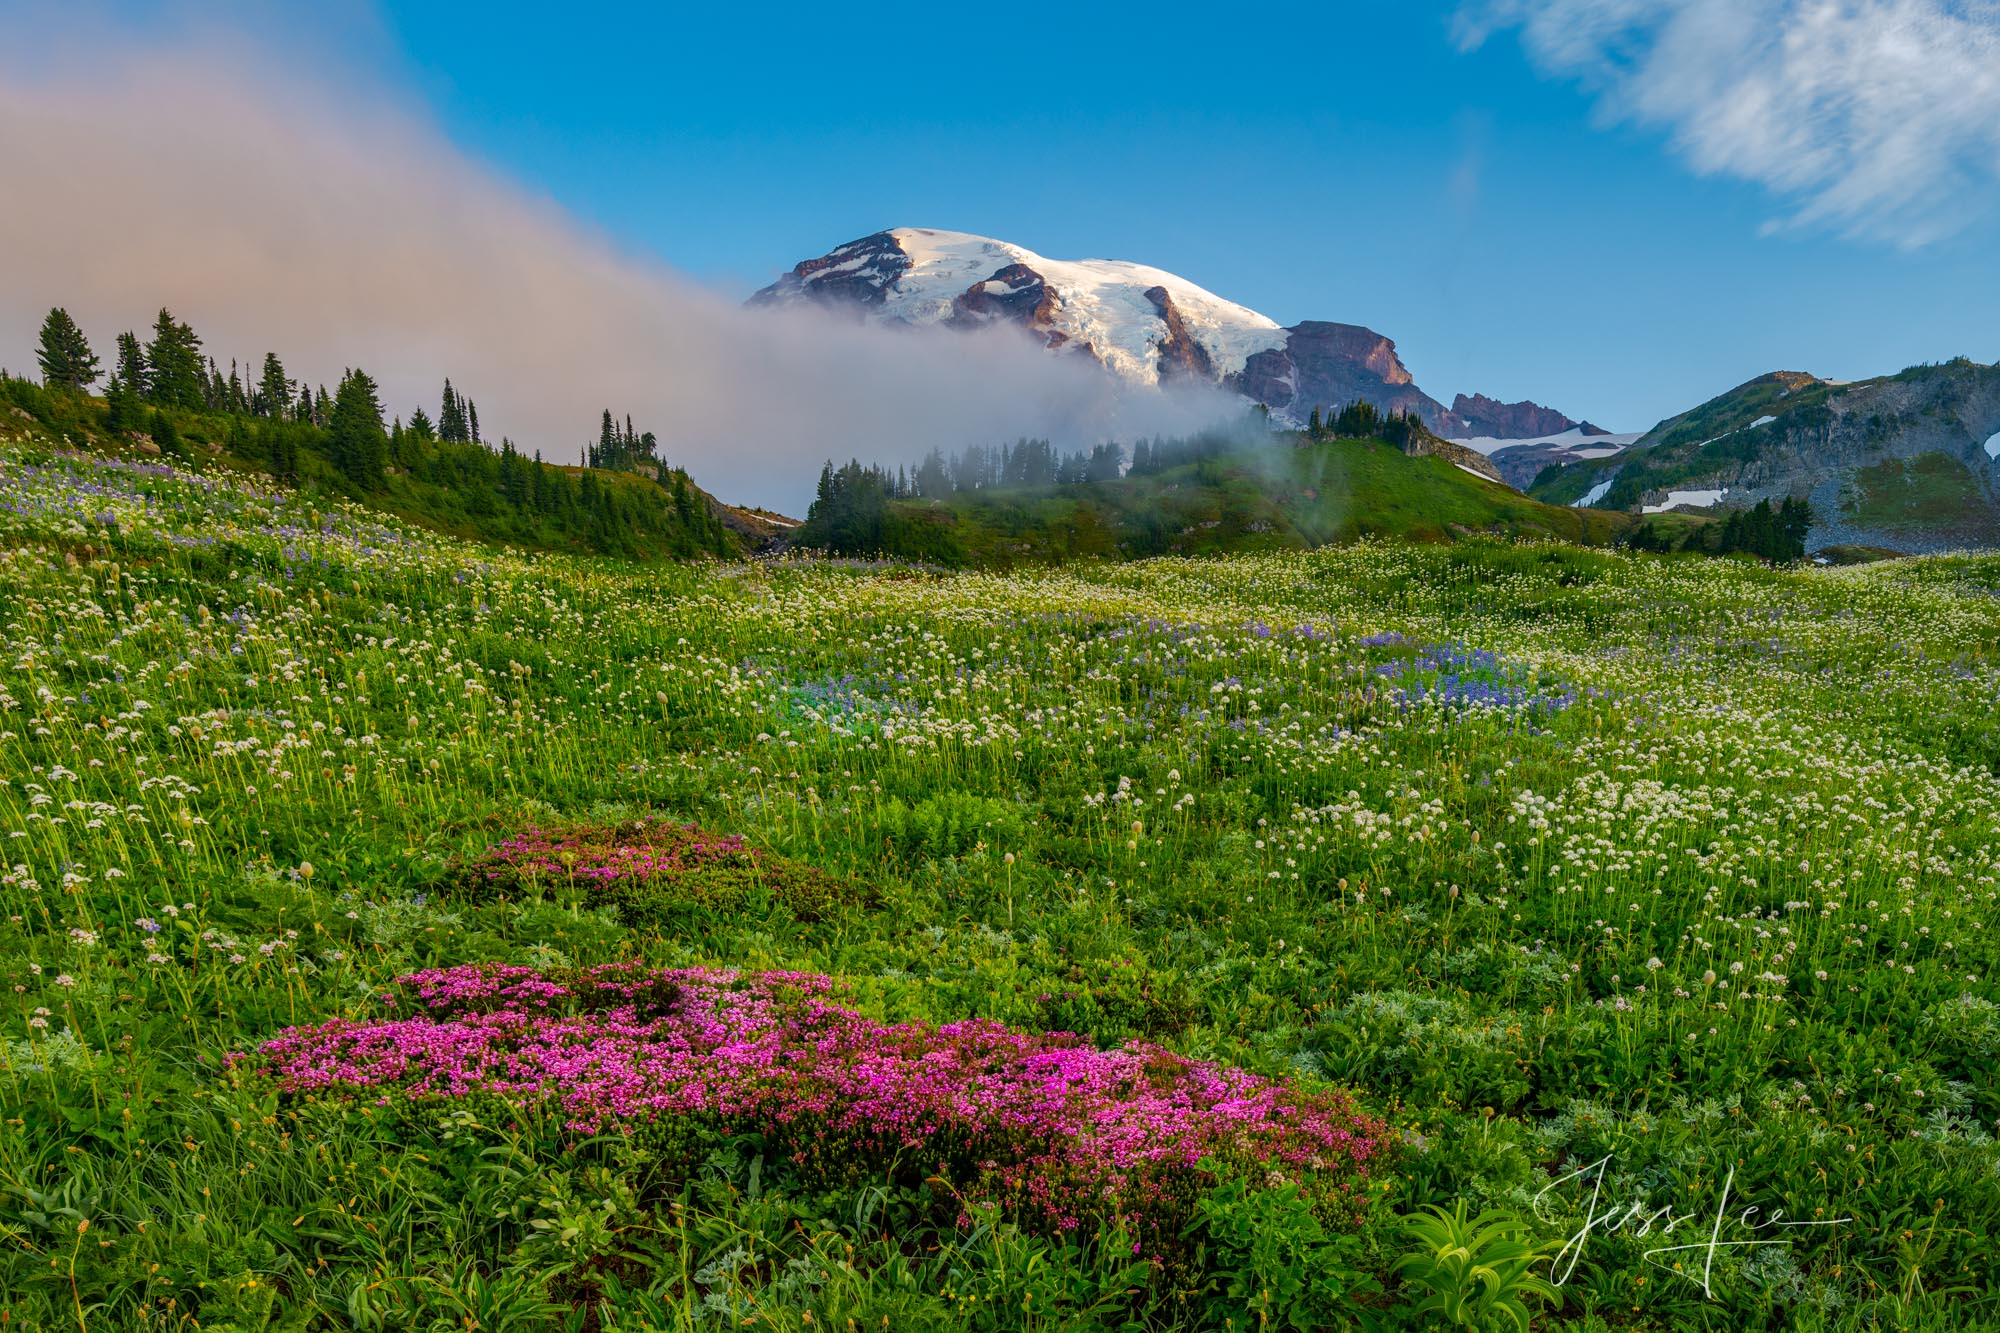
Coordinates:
[1278,497]
[1907,462]
[464,488]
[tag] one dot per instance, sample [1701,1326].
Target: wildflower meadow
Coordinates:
[403,934]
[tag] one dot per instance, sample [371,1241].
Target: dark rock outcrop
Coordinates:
[1180,356]
[1487,417]
[1328,366]
[1015,294]
[858,274]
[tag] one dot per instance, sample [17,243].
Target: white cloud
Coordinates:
[277,207]
[1877,118]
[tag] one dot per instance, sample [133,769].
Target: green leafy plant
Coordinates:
[1474,1271]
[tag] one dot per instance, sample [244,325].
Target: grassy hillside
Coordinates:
[464,489]
[1882,460]
[1282,497]
[406,935]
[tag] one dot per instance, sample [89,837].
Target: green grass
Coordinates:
[1932,491]
[452,489]
[1552,855]
[1270,499]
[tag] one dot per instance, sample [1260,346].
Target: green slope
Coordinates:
[466,490]
[1281,497]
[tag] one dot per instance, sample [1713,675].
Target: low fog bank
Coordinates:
[276,212]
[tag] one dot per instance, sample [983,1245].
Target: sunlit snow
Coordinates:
[1692,499]
[1101,301]
[1573,438]
[1593,495]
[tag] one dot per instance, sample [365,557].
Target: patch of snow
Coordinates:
[1692,499]
[1099,301]
[1993,447]
[1473,470]
[1593,495]
[1598,453]
[1573,438]
[1760,421]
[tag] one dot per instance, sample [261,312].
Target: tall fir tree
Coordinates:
[67,361]
[273,389]
[355,439]
[452,427]
[173,360]
[132,364]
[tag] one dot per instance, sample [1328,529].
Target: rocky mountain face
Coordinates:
[1489,417]
[1909,462]
[1143,324]
[1327,366]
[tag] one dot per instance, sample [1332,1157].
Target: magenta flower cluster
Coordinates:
[1046,1123]
[637,853]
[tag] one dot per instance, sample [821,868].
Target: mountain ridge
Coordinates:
[1145,325]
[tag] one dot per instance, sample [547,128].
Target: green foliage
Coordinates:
[355,440]
[64,354]
[1474,1272]
[1223,498]
[653,873]
[174,377]
[948,824]
[1732,906]
[1930,491]
[337,442]
[1266,1261]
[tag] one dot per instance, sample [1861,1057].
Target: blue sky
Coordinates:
[1487,206]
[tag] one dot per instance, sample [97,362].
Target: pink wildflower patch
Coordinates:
[1044,1123]
[651,868]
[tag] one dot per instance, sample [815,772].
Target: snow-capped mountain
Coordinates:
[1143,324]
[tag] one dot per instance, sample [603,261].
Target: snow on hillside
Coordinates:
[1692,499]
[1586,446]
[1100,301]
[1593,495]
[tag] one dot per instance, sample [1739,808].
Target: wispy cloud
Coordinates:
[278,208]
[1877,118]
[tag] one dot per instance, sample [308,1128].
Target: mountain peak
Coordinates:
[1143,324]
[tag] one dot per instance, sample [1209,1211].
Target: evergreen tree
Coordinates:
[67,361]
[452,428]
[132,364]
[420,425]
[274,389]
[173,361]
[161,428]
[472,421]
[355,440]
[304,411]
[121,407]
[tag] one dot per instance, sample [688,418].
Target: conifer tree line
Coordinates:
[1775,534]
[1026,463]
[621,448]
[163,387]
[1362,420]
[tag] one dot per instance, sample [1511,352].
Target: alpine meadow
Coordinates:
[405,933]
[639,693]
